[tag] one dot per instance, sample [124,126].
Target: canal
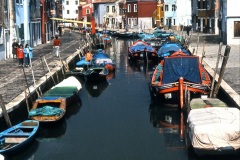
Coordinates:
[115,120]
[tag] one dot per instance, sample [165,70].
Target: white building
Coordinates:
[177,13]
[70,10]
[230,19]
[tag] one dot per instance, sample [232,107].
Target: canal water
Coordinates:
[115,120]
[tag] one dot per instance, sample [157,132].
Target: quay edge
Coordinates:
[44,83]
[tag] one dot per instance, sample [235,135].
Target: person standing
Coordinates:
[56,44]
[27,55]
[14,48]
[20,55]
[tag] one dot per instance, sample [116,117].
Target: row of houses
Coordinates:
[30,21]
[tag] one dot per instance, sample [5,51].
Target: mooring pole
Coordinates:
[216,68]
[223,67]
[4,111]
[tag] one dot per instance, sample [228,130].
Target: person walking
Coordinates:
[14,48]
[20,55]
[27,55]
[56,44]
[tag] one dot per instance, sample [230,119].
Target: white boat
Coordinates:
[214,130]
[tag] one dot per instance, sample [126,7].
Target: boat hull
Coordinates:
[18,137]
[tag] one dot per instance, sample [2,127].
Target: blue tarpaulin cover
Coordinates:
[168,48]
[141,47]
[46,111]
[186,67]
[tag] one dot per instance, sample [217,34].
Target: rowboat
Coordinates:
[48,110]
[142,51]
[96,73]
[179,78]
[16,138]
[69,89]
[213,130]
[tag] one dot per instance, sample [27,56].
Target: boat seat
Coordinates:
[17,135]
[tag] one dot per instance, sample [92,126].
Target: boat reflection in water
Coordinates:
[73,109]
[51,132]
[96,88]
[170,122]
[142,66]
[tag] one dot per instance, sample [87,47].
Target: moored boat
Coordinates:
[214,130]
[179,78]
[16,138]
[69,89]
[48,110]
[143,51]
[96,73]
[102,59]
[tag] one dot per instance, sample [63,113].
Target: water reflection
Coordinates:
[170,122]
[142,67]
[51,131]
[96,88]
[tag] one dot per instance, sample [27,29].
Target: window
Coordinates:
[67,2]
[135,7]
[76,11]
[166,7]
[129,8]
[107,10]
[173,7]
[113,9]
[236,28]
[135,21]
[174,22]
[68,12]
[204,5]
[76,2]
[19,2]
[87,11]
[113,21]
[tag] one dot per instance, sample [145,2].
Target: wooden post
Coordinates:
[26,81]
[203,52]
[49,70]
[197,40]
[4,112]
[26,96]
[223,67]
[216,68]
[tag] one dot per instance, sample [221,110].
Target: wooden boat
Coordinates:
[141,50]
[96,73]
[69,89]
[213,130]
[15,138]
[179,78]
[48,110]
[102,59]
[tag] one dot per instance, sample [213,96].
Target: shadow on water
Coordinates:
[49,132]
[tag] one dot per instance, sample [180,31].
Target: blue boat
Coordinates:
[169,48]
[16,138]
[102,59]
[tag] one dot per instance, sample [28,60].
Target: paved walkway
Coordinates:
[12,76]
